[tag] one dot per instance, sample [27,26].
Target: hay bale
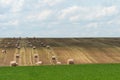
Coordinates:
[5,46]
[29,42]
[18,47]
[39,63]
[8,43]
[30,45]
[41,43]
[58,63]
[34,47]
[17,55]
[36,55]
[4,51]
[53,57]
[44,45]
[70,61]
[13,63]
[48,47]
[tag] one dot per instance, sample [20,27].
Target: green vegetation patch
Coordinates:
[62,72]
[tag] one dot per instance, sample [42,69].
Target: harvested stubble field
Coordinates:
[81,50]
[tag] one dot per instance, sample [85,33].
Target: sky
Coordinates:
[59,18]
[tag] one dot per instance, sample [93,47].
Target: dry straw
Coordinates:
[39,63]
[13,63]
[36,55]
[70,61]
[53,57]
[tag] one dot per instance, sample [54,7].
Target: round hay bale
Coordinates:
[8,43]
[28,42]
[18,47]
[58,63]
[13,63]
[70,61]
[48,47]
[39,62]
[17,55]
[36,55]
[4,51]
[53,57]
[30,45]
[41,43]
[44,45]
[34,47]
[5,46]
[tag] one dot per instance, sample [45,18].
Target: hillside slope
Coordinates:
[81,50]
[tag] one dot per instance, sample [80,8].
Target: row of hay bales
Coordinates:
[69,61]
[35,42]
[41,45]
[14,63]
[54,58]
[9,43]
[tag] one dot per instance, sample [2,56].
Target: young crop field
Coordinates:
[54,51]
[62,72]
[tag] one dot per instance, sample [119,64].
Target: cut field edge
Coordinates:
[92,64]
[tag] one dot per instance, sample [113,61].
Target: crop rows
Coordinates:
[48,51]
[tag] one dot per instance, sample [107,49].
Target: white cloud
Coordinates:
[106,11]
[15,22]
[92,25]
[114,21]
[17,6]
[69,11]
[74,18]
[6,2]
[12,22]
[45,14]
[52,2]
[2,16]
[76,13]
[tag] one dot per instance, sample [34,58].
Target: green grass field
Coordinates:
[62,72]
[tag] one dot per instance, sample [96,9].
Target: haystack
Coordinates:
[53,57]
[18,47]
[39,62]
[70,61]
[29,42]
[8,43]
[44,45]
[13,63]
[5,46]
[34,47]
[17,55]
[30,45]
[41,43]
[4,51]
[36,55]
[58,63]
[48,47]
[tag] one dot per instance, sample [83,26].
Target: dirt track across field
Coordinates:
[81,50]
